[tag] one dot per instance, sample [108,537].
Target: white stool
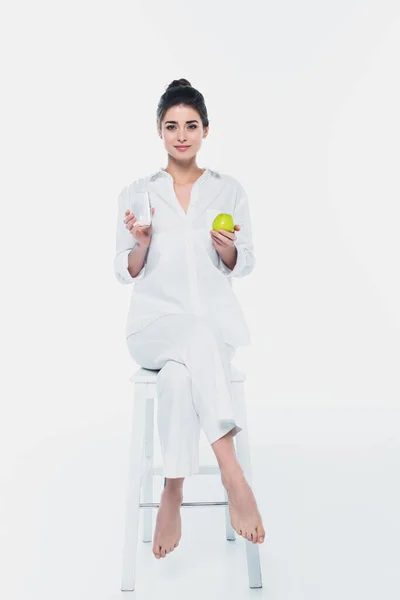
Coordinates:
[141,471]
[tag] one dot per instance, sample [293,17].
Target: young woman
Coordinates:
[184,318]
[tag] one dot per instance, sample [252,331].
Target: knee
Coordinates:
[174,374]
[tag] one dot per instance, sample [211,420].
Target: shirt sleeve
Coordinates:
[245,260]
[125,242]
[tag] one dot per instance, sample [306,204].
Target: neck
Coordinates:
[181,172]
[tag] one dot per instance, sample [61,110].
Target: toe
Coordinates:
[261,534]
[249,536]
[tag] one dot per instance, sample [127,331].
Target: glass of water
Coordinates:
[143,208]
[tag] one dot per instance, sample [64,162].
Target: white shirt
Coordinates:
[183,273]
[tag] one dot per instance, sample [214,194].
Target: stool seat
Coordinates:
[150,375]
[142,472]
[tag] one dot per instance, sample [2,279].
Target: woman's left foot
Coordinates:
[244,514]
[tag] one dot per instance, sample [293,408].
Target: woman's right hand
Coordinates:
[141,234]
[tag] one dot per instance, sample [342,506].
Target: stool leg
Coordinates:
[148,482]
[243,454]
[134,481]
[230,532]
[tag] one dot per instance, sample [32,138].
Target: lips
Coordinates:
[182,147]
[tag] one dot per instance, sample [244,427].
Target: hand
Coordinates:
[223,239]
[141,234]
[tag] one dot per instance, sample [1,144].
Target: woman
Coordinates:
[184,318]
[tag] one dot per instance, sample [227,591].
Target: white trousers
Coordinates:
[193,386]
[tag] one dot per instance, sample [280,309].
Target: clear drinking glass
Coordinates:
[143,208]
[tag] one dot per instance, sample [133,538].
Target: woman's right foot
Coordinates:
[168,525]
[244,514]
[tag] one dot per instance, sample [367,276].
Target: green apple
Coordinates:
[223,221]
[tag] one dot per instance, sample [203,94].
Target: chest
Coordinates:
[183,193]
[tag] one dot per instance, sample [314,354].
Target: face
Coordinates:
[182,126]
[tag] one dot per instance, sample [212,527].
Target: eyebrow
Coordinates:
[176,122]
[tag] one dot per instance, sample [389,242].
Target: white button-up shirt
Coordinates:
[183,272]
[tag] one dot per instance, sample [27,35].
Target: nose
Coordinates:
[182,138]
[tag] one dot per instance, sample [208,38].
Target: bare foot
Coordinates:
[168,525]
[245,517]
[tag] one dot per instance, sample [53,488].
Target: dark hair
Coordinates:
[180,91]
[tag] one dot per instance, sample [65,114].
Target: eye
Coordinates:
[195,126]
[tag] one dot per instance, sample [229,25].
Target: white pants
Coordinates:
[193,386]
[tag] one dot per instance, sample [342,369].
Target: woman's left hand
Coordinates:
[223,239]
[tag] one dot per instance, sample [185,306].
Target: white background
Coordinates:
[303,101]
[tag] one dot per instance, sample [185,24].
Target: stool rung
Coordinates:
[157,504]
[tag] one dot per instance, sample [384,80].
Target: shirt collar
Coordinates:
[162,173]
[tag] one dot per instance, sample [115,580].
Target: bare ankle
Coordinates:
[232,474]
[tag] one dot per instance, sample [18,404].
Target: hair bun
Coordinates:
[179,83]
[181,92]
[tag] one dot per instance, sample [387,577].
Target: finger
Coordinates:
[217,241]
[223,233]
[130,219]
[237,227]
[136,231]
[227,234]
[131,224]
[217,237]
[224,238]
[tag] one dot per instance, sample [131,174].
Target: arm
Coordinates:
[136,260]
[130,258]
[244,262]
